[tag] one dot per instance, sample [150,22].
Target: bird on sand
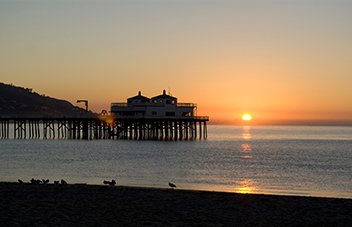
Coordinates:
[111,183]
[172,185]
[63,181]
[56,182]
[45,181]
[33,181]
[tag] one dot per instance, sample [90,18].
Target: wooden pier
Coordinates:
[103,127]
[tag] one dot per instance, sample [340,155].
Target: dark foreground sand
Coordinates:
[95,205]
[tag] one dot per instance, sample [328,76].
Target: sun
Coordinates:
[246,117]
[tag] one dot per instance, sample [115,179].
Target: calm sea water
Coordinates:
[290,160]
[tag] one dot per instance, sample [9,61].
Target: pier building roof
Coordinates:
[163,96]
[138,97]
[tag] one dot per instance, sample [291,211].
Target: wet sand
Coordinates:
[102,205]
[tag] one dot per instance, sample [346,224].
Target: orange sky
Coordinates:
[282,62]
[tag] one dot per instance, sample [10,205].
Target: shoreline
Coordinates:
[102,205]
[186,187]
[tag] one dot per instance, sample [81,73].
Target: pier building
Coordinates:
[161,106]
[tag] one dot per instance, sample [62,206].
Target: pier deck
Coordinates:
[103,127]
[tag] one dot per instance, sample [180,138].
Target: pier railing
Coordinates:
[185,118]
[186,105]
[124,104]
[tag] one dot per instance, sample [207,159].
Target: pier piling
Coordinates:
[95,128]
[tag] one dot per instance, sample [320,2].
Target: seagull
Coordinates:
[172,185]
[63,181]
[45,181]
[33,181]
[20,181]
[112,183]
[56,182]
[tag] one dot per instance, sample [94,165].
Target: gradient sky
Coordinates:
[281,61]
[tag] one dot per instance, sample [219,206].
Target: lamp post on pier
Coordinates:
[86,103]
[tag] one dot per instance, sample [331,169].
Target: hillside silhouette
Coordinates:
[19,101]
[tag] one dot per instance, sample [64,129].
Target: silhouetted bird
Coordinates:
[56,182]
[63,182]
[45,181]
[111,183]
[33,181]
[20,181]
[172,185]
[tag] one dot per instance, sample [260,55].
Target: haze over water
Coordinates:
[291,160]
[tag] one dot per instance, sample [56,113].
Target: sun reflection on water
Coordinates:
[245,186]
[246,134]
[245,150]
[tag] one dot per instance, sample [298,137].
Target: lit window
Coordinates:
[170,101]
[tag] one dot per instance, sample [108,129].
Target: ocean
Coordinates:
[280,160]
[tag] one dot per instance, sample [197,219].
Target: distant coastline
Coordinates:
[19,101]
[283,122]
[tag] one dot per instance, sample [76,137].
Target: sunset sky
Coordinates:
[281,61]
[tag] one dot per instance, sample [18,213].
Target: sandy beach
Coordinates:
[102,205]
